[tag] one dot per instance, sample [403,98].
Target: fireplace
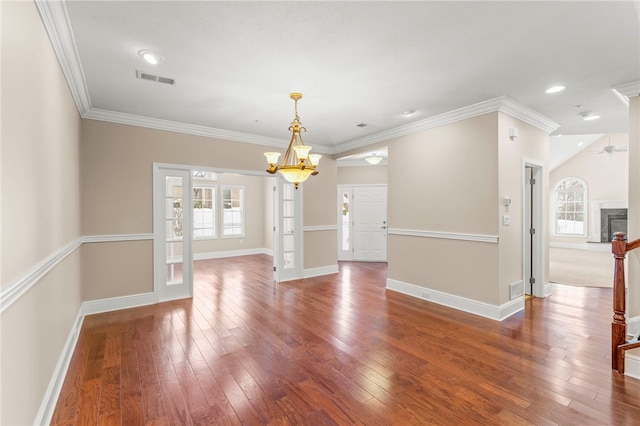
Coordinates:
[612,221]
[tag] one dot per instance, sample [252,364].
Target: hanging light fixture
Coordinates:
[373,159]
[297,164]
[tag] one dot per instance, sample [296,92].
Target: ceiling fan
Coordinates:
[610,149]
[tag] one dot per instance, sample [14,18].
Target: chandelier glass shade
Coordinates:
[373,159]
[297,164]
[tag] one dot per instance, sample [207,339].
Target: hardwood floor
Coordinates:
[342,350]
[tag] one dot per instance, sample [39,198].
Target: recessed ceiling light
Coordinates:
[555,89]
[590,117]
[580,143]
[150,57]
[409,113]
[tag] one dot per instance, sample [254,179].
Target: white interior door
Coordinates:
[370,223]
[288,238]
[172,233]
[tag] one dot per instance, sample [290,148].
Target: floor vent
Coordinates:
[516,290]
[144,76]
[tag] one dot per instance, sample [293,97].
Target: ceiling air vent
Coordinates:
[144,76]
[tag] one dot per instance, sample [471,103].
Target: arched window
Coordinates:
[570,207]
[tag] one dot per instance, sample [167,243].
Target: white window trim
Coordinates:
[585,209]
[222,189]
[205,184]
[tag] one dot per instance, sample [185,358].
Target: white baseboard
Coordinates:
[50,399]
[633,325]
[603,247]
[632,357]
[548,289]
[231,253]
[475,307]
[632,364]
[48,405]
[323,270]
[118,303]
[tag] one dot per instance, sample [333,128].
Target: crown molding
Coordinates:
[626,91]
[629,89]
[529,116]
[56,21]
[192,129]
[503,104]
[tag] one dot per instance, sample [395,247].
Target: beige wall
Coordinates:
[40,209]
[117,171]
[113,269]
[445,179]
[363,175]
[531,145]
[320,206]
[437,176]
[607,178]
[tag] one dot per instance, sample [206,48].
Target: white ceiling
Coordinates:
[235,63]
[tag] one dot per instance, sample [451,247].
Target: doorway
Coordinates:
[202,213]
[287,231]
[362,223]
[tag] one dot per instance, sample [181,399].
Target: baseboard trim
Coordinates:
[497,313]
[548,287]
[231,253]
[118,303]
[601,247]
[632,364]
[633,325]
[323,270]
[632,357]
[48,405]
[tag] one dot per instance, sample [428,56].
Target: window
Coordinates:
[570,207]
[232,211]
[204,211]
[204,204]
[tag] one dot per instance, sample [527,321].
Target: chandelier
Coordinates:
[297,164]
[373,159]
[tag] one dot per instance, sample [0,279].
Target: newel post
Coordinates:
[619,323]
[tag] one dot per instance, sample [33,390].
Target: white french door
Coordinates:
[172,232]
[287,259]
[362,223]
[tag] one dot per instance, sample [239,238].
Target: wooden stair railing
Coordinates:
[619,343]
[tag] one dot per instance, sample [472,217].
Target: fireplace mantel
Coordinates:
[596,207]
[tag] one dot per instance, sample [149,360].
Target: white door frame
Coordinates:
[161,288]
[158,259]
[540,225]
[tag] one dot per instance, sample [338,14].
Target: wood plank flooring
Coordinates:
[340,350]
